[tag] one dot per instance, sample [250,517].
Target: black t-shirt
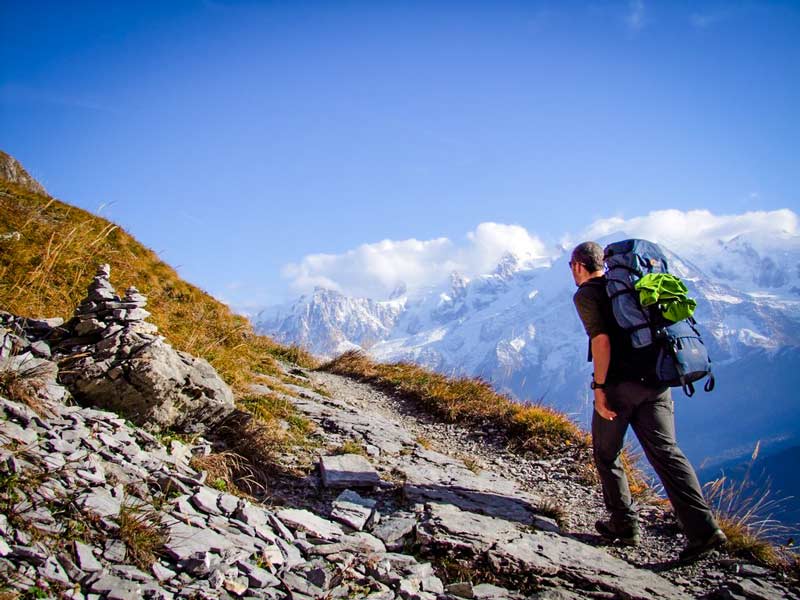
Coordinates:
[595,310]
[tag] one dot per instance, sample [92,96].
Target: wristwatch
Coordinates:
[598,386]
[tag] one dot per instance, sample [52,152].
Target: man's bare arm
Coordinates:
[601,357]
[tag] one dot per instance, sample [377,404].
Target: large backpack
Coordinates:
[681,356]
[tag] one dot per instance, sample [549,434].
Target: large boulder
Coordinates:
[115,360]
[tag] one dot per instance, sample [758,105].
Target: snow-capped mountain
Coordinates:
[516,327]
[329,323]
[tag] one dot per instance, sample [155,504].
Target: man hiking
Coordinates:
[623,397]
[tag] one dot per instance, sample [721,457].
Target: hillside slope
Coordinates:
[49,251]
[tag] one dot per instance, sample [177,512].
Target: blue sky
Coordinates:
[236,138]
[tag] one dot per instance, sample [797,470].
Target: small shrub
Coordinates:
[34,592]
[143,533]
[228,472]
[24,383]
[550,507]
[216,465]
[472,463]
[351,447]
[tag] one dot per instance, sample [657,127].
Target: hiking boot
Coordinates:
[698,549]
[627,535]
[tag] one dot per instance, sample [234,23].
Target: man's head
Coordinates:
[586,262]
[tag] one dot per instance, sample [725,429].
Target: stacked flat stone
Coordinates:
[104,312]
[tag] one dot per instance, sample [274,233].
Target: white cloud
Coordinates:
[374,270]
[685,230]
[490,241]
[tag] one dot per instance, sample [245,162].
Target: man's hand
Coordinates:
[601,405]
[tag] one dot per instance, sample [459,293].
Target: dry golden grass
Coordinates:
[259,432]
[351,447]
[143,533]
[25,384]
[536,428]
[46,271]
[745,515]
[472,463]
[550,507]
[227,472]
[424,442]
[637,480]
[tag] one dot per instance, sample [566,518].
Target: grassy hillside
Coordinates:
[49,252]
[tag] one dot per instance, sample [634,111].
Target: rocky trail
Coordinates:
[385,503]
[471,470]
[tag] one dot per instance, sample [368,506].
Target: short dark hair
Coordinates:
[590,255]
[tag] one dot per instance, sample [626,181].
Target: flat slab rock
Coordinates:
[303,520]
[510,549]
[185,540]
[348,471]
[353,510]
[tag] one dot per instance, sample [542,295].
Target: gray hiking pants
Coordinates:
[651,414]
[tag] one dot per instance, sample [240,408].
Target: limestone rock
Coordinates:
[312,524]
[185,540]
[353,510]
[347,470]
[511,550]
[754,589]
[395,529]
[38,377]
[159,387]
[116,362]
[12,170]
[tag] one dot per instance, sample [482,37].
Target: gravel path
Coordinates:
[555,479]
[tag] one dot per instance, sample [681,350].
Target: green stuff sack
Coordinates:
[669,292]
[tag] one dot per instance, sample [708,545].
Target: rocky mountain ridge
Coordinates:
[329,321]
[12,170]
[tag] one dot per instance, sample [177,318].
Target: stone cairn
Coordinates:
[114,359]
[103,312]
